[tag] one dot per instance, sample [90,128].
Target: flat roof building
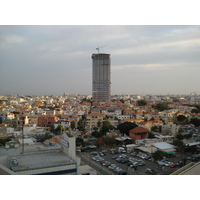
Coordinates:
[56,156]
[54,163]
[40,159]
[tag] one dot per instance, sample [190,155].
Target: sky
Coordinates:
[56,59]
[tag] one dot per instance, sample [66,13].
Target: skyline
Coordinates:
[37,60]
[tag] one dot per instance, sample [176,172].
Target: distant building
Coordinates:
[101,77]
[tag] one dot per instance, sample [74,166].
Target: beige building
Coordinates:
[92,119]
[167,116]
[170,129]
[33,119]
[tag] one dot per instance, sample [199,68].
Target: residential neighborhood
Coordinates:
[157,127]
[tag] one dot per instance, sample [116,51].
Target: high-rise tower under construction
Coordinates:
[101,77]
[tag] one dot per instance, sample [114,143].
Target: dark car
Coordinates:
[147,158]
[122,172]
[119,159]
[125,160]
[133,166]
[180,163]
[196,157]
[129,163]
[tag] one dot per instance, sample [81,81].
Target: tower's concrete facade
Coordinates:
[101,77]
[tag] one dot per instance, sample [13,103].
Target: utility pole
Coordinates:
[22,141]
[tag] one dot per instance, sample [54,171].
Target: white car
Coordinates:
[112,166]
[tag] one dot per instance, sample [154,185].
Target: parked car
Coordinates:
[119,159]
[122,172]
[102,162]
[107,163]
[114,157]
[151,171]
[173,165]
[167,164]
[94,158]
[142,163]
[112,166]
[134,154]
[133,166]
[94,153]
[117,169]
[124,160]
[129,163]
[180,163]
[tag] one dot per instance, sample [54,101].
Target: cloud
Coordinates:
[63,54]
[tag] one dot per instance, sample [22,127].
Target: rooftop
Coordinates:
[139,130]
[163,145]
[39,160]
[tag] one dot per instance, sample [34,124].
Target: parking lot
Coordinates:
[132,163]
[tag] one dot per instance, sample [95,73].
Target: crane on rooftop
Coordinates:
[100,48]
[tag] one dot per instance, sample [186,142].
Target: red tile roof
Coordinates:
[95,114]
[139,130]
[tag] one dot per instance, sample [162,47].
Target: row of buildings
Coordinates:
[37,111]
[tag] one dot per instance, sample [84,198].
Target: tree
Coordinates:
[109,140]
[161,106]
[73,125]
[180,145]
[99,123]
[195,121]
[155,128]
[106,126]
[196,111]
[126,127]
[179,136]
[98,144]
[190,149]
[59,129]
[4,140]
[141,102]
[151,135]
[79,142]
[97,134]
[159,155]
[80,126]
[182,118]
[46,137]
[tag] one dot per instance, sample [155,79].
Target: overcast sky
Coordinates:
[46,60]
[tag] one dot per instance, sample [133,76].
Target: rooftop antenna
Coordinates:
[100,48]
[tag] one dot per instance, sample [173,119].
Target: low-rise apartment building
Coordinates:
[93,119]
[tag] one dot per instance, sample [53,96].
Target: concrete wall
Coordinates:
[85,169]
[46,170]
[5,171]
[4,160]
